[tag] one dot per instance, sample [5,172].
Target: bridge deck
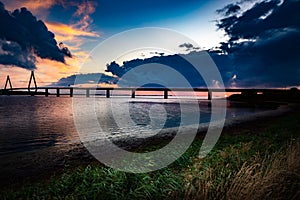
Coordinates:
[45,90]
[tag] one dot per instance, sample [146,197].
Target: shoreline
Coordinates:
[27,167]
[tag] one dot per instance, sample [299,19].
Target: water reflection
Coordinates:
[32,123]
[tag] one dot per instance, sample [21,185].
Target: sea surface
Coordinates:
[33,123]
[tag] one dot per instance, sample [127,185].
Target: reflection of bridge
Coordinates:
[88,91]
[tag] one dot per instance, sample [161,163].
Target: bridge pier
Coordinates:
[71,92]
[107,93]
[87,94]
[165,94]
[46,92]
[209,96]
[57,92]
[132,93]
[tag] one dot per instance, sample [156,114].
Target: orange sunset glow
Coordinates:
[72,34]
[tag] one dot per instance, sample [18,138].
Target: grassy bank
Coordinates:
[262,165]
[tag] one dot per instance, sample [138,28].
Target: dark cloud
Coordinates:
[85,79]
[264,43]
[188,46]
[178,63]
[65,50]
[251,23]
[12,54]
[158,53]
[24,37]
[229,9]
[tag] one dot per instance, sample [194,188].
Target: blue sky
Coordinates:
[193,18]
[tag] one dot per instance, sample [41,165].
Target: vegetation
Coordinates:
[264,165]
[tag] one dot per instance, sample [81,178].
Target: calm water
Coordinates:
[32,123]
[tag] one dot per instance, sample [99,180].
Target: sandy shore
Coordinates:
[20,168]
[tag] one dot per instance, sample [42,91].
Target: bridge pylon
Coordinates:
[32,77]
[8,82]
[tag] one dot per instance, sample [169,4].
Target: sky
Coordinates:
[254,43]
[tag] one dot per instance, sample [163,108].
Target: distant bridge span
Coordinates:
[33,91]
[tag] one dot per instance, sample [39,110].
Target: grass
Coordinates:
[264,165]
[236,173]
